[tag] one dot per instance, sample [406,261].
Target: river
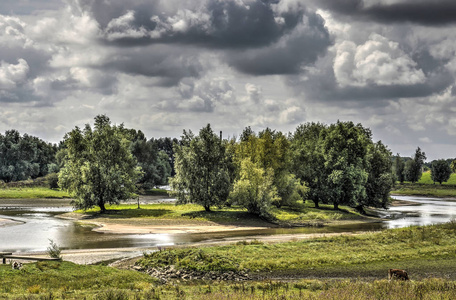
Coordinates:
[38,225]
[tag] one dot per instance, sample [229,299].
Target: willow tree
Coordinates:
[202,170]
[99,167]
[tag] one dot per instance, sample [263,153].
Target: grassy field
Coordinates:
[32,193]
[345,267]
[426,187]
[426,179]
[368,255]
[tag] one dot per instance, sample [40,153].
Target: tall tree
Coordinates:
[308,160]
[440,171]
[99,167]
[270,150]
[399,168]
[166,145]
[254,189]
[202,171]
[153,162]
[380,179]
[413,168]
[344,147]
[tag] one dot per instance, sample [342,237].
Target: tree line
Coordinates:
[25,157]
[411,169]
[335,164]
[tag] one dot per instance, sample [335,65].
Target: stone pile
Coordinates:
[164,274]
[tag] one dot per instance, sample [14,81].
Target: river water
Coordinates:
[38,225]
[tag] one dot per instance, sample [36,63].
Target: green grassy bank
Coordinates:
[368,255]
[344,267]
[426,187]
[164,213]
[32,193]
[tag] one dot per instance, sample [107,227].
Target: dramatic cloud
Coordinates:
[162,66]
[378,61]
[434,13]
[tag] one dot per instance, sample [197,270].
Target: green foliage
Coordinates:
[153,162]
[53,250]
[53,180]
[308,160]
[202,170]
[191,259]
[440,171]
[399,168]
[340,164]
[31,193]
[270,151]
[99,166]
[24,157]
[254,190]
[413,168]
[65,280]
[380,179]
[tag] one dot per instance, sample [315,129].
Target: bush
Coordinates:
[53,250]
[53,180]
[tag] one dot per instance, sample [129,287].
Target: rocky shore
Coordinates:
[165,274]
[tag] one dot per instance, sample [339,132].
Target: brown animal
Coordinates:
[397,274]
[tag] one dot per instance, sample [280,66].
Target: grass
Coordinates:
[32,193]
[344,267]
[426,179]
[426,187]
[164,213]
[370,253]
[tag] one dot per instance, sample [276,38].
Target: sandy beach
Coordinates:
[8,222]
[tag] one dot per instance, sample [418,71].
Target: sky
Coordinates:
[162,66]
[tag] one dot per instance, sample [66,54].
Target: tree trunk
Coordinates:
[207,207]
[102,206]
[336,206]
[316,203]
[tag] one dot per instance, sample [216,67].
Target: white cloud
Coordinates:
[12,75]
[378,61]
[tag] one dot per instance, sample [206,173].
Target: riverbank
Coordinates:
[169,218]
[425,190]
[327,267]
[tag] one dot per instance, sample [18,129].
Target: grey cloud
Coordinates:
[433,13]
[211,23]
[322,86]
[169,64]
[302,47]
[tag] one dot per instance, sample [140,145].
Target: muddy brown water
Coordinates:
[35,226]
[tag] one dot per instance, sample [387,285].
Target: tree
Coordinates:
[154,163]
[308,160]
[24,157]
[453,165]
[270,150]
[399,168]
[380,179]
[344,148]
[99,167]
[166,145]
[202,171]
[413,168]
[440,171]
[254,190]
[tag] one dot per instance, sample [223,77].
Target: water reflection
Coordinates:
[38,225]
